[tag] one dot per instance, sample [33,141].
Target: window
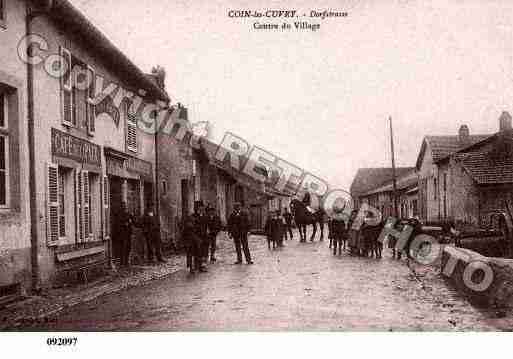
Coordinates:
[164,188]
[78,109]
[62,204]
[90,107]
[131,129]
[435,188]
[2,14]
[3,111]
[68,93]
[4,153]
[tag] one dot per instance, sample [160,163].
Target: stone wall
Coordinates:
[499,294]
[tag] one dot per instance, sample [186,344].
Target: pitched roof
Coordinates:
[442,146]
[367,179]
[408,181]
[71,19]
[210,149]
[484,170]
[489,165]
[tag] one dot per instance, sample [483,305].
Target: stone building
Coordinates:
[433,189]
[16,258]
[477,179]
[88,156]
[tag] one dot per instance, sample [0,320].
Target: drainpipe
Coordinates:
[34,220]
[157,199]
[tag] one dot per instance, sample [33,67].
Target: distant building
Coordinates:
[369,179]
[382,197]
[434,191]
[477,179]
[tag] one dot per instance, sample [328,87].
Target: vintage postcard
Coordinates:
[255,166]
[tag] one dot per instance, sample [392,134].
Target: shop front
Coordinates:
[75,215]
[130,182]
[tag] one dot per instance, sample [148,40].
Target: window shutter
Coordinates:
[68,113]
[131,130]
[106,197]
[85,206]
[91,111]
[53,204]
[80,228]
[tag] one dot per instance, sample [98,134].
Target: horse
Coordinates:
[303,217]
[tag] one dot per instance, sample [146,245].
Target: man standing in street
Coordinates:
[126,223]
[213,228]
[238,228]
[192,243]
[151,230]
[200,229]
[288,223]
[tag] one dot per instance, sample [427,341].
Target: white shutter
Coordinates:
[106,197]
[78,196]
[52,217]
[131,129]
[91,110]
[68,103]
[86,219]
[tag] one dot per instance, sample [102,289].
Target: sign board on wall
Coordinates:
[77,149]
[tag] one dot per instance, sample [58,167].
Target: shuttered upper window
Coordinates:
[3,111]
[91,111]
[131,129]
[69,117]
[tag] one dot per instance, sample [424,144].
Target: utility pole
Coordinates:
[394,180]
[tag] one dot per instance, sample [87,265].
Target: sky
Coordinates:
[321,99]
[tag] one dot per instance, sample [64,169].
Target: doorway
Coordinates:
[116,198]
[185,198]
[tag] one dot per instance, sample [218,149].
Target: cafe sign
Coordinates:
[123,165]
[67,146]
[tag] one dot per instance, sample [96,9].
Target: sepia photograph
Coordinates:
[184,166]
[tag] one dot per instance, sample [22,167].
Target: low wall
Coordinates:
[492,289]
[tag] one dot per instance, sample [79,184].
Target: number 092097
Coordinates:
[52,341]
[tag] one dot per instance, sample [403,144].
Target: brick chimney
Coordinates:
[464,134]
[505,122]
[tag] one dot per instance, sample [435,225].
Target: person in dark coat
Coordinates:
[337,229]
[201,228]
[126,222]
[213,227]
[192,244]
[151,230]
[238,228]
[274,231]
[281,228]
[287,216]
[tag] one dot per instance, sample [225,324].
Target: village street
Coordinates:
[298,287]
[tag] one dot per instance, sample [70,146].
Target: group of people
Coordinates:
[200,232]
[123,230]
[276,228]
